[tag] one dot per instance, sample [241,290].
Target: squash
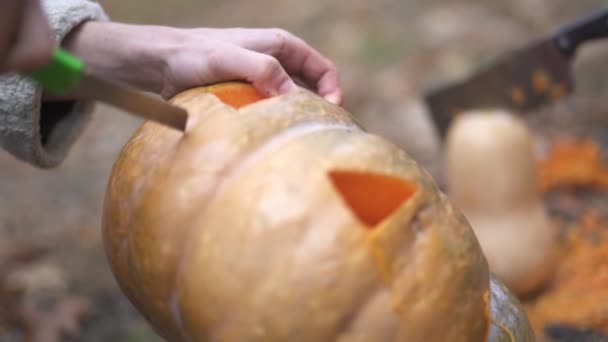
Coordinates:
[280,219]
[491,177]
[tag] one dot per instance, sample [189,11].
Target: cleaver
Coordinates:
[520,80]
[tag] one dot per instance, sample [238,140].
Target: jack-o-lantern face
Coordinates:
[281,220]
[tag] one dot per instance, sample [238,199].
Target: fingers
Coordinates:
[33,45]
[302,60]
[264,71]
[212,61]
[303,63]
[299,59]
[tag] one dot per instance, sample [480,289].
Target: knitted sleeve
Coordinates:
[37,132]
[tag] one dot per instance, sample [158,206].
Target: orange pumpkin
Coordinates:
[280,219]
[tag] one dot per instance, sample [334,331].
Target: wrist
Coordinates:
[132,54]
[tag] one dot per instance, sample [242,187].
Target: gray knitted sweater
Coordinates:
[42,133]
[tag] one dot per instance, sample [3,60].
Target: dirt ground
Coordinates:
[388,52]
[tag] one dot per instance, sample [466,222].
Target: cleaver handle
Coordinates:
[569,38]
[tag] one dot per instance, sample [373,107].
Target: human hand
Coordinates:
[270,58]
[25,37]
[168,60]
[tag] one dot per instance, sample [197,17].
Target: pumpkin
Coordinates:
[280,219]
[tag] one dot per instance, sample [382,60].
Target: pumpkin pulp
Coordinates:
[371,197]
[235,94]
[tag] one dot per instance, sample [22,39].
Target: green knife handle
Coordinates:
[572,36]
[62,74]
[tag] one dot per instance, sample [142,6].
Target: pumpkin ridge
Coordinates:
[385,265]
[236,168]
[380,262]
[113,186]
[248,158]
[176,314]
[345,325]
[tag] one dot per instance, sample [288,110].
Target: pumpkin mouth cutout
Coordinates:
[372,197]
[235,94]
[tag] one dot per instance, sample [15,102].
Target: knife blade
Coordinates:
[132,101]
[66,75]
[520,80]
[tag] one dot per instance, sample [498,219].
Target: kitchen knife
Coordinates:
[520,80]
[65,75]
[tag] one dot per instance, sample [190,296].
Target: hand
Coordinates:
[168,60]
[270,58]
[25,37]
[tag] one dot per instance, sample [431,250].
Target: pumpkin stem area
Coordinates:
[371,197]
[235,94]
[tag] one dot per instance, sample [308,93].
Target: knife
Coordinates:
[65,75]
[520,80]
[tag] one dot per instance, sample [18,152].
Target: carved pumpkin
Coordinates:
[280,219]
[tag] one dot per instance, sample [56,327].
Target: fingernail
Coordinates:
[333,98]
[286,87]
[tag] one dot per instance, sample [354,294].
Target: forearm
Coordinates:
[133,54]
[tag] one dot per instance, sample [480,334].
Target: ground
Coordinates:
[388,52]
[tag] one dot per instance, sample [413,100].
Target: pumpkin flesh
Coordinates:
[371,197]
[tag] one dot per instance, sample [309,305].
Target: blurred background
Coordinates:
[387,52]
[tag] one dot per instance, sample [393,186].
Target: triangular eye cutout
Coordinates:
[235,94]
[372,197]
